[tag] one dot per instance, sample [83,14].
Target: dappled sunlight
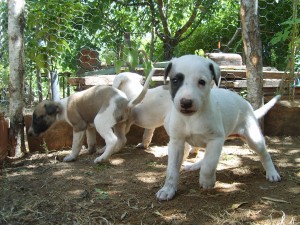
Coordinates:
[241,171]
[178,217]
[158,151]
[23,172]
[76,192]
[229,187]
[229,160]
[285,162]
[75,178]
[149,177]
[62,173]
[294,190]
[237,150]
[117,161]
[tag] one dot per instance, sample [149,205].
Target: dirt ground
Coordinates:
[41,189]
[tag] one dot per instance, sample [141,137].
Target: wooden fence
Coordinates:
[233,78]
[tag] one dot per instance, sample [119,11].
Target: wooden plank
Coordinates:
[243,83]
[241,74]
[111,71]
[75,81]
[98,79]
[91,80]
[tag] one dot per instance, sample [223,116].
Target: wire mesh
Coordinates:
[73,38]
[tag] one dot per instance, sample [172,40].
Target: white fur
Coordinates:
[151,112]
[129,83]
[214,115]
[103,124]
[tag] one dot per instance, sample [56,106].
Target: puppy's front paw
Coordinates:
[273,176]
[100,159]
[141,146]
[207,182]
[69,158]
[166,193]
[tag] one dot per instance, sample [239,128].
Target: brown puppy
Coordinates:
[101,108]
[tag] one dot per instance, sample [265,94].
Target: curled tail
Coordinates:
[259,113]
[140,97]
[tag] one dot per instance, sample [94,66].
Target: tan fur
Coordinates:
[84,106]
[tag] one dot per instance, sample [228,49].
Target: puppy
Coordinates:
[151,112]
[130,83]
[206,117]
[101,108]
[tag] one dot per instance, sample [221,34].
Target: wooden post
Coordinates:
[253,51]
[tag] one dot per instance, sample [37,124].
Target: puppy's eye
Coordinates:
[202,82]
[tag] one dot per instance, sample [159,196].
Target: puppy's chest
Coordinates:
[197,140]
[198,134]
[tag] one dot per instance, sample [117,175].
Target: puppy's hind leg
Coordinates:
[91,139]
[256,142]
[104,128]
[76,146]
[119,130]
[147,138]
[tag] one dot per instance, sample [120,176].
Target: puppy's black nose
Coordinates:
[186,103]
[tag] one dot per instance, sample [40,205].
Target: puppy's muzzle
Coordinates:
[186,106]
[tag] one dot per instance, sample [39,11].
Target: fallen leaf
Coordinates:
[237,205]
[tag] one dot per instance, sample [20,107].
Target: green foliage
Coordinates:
[48,39]
[220,26]
[272,18]
[199,52]
[130,59]
[4,79]
[285,34]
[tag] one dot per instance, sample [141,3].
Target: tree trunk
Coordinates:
[168,51]
[55,86]
[39,84]
[169,46]
[253,51]
[16,24]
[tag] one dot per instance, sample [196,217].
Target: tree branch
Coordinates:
[191,32]
[163,20]
[187,25]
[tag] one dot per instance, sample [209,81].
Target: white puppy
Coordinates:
[151,112]
[206,117]
[102,108]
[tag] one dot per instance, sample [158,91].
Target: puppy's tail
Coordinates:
[140,97]
[259,113]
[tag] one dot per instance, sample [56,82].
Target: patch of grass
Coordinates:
[102,166]
[101,194]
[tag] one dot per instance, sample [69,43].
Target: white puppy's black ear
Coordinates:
[216,73]
[167,71]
